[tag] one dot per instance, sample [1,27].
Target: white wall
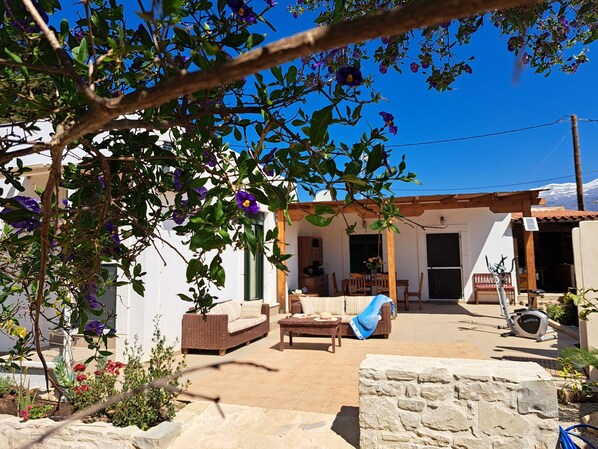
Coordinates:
[585,251]
[482,233]
[163,282]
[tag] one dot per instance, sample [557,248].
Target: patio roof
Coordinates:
[413,206]
[558,215]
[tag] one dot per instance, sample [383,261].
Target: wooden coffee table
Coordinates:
[310,326]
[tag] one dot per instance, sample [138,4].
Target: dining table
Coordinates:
[370,282]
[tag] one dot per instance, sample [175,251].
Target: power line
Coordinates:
[479,136]
[499,185]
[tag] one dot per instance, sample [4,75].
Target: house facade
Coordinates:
[445,237]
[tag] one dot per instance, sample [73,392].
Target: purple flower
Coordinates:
[113,231]
[241,9]
[414,66]
[383,68]
[209,158]
[95,327]
[385,39]
[177,179]
[326,58]
[467,69]
[246,202]
[525,58]
[271,3]
[389,121]
[179,216]
[93,301]
[349,76]
[101,181]
[202,192]
[426,60]
[29,204]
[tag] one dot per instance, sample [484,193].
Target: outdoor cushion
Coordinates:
[244,323]
[251,309]
[232,309]
[216,310]
[306,305]
[354,305]
[347,318]
[334,305]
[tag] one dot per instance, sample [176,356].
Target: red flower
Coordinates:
[98,373]
[81,377]
[119,365]
[79,367]
[24,414]
[84,387]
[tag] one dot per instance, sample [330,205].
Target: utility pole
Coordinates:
[577,162]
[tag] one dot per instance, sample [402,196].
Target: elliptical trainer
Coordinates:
[527,322]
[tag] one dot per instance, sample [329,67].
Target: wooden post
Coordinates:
[281,277]
[577,163]
[530,259]
[392,270]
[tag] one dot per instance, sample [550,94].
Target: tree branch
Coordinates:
[383,23]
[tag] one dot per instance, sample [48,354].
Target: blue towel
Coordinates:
[365,323]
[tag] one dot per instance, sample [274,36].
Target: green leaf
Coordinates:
[171,6]
[255,39]
[321,209]
[138,287]
[81,53]
[318,220]
[192,269]
[318,129]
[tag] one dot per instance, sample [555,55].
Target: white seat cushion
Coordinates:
[354,305]
[307,306]
[251,309]
[335,305]
[232,309]
[244,323]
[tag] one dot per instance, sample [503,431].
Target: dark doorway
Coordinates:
[444,266]
[361,248]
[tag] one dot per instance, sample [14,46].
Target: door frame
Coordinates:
[463,231]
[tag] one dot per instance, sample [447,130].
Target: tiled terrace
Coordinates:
[310,378]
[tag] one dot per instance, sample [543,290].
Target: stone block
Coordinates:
[469,442]
[399,437]
[592,420]
[436,392]
[436,375]
[400,374]
[434,438]
[413,405]
[409,420]
[498,420]
[379,413]
[488,391]
[381,388]
[445,417]
[158,437]
[509,443]
[412,390]
[539,397]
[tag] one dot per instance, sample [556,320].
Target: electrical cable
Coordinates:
[499,185]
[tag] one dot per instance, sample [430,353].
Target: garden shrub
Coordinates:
[7,386]
[562,313]
[145,409]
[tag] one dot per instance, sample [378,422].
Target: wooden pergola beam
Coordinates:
[281,277]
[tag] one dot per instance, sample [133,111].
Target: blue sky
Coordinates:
[488,101]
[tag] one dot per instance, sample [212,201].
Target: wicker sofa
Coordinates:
[346,307]
[227,325]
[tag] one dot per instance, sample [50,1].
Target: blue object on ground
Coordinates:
[565,437]
[365,323]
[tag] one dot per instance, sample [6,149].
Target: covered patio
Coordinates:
[310,378]
[476,225]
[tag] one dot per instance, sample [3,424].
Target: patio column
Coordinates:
[392,270]
[281,277]
[530,259]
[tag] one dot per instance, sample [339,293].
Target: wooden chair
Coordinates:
[381,284]
[335,290]
[418,293]
[358,285]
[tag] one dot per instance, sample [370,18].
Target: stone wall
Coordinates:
[423,403]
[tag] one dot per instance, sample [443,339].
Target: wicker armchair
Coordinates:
[212,333]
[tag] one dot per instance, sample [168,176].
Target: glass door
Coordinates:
[444,266]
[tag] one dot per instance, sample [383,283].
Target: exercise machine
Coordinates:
[527,322]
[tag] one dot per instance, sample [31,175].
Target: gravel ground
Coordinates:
[570,414]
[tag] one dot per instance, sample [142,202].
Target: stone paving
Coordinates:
[312,395]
